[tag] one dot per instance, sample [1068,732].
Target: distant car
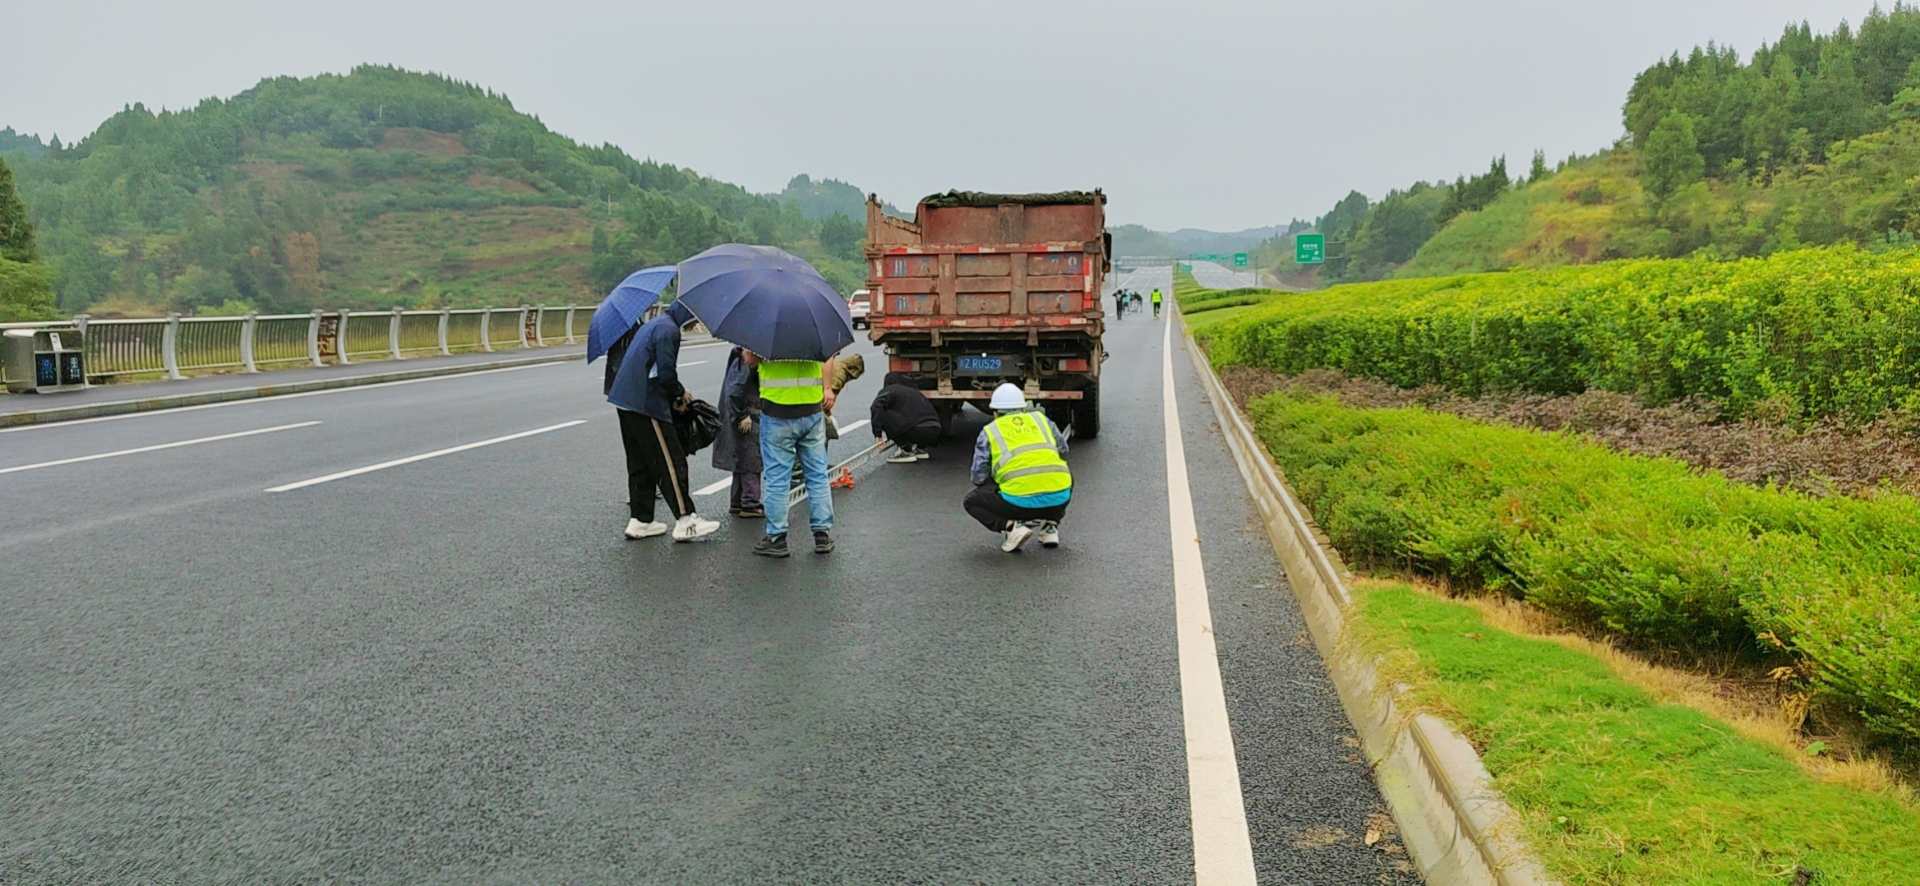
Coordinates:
[859,306]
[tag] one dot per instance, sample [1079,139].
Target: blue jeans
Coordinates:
[781,439]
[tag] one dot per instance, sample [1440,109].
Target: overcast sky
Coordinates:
[1208,113]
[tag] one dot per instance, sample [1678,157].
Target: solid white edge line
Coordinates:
[355,472]
[1222,848]
[157,447]
[276,398]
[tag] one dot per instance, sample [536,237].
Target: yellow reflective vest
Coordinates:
[1026,455]
[792,382]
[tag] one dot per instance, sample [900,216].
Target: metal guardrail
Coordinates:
[173,346]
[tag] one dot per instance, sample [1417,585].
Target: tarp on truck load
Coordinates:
[981,198]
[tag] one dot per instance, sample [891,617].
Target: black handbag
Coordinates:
[698,424]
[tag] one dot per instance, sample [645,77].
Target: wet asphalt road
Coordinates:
[457,670]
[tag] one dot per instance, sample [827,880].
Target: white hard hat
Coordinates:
[1008,396]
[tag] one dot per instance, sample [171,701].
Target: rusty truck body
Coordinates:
[983,289]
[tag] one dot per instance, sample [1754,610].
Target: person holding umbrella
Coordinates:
[777,306]
[655,465]
[646,391]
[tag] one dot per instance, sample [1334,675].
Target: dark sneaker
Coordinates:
[772,546]
[822,542]
[755,512]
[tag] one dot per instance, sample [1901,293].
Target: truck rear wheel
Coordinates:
[1086,414]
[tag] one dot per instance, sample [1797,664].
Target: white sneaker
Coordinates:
[905,456]
[693,526]
[1016,537]
[1049,534]
[922,454]
[637,529]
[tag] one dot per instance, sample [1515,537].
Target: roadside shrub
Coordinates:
[1818,332]
[1640,546]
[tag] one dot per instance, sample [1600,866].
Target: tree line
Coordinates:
[1809,140]
[261,200]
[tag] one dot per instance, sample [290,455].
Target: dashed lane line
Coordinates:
[342,475]
[157,447]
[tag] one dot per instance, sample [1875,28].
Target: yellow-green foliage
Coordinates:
[1588,212]
[1641,546]
[1818,332]
[1614,786]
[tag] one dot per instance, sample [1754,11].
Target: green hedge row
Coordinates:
[1641,546]
[1816,332]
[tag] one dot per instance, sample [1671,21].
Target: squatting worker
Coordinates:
[1021,484]
[795,397]
[646,390]
[902,414]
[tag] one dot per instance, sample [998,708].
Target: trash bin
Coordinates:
[43,361]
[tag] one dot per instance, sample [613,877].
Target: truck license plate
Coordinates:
[979,364]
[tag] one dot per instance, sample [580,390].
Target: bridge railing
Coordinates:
[173,346]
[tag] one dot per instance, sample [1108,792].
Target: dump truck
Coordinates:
[982,289]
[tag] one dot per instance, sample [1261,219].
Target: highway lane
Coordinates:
[1218,276]
[456,669]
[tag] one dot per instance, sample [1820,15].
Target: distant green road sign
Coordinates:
[1239,259]
[1309,249]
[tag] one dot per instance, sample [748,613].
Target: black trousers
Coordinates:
[985,505]
[923,437]
[655,464]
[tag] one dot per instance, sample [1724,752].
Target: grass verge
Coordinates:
[1617,786]
[1641,547]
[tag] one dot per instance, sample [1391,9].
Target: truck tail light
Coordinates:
[902,364]
[1075,364]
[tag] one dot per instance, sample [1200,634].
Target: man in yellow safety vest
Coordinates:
[1021,484]
[795,397]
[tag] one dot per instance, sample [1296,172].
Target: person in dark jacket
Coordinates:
[903,414]
[737,449]
[646,390]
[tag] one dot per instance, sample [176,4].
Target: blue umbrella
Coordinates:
[624,307]
[766,300]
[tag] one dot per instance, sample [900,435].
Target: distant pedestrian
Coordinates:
[1156,301]
[1021,483]
[795,397]
[737,449]
[904,415]
[1119,303]
[645,388]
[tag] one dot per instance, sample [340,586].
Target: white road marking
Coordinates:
[694,363]
[1222,849]
[155,448]
[714,487]
[275,398]
[342,475]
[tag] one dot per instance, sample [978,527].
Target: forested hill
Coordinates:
[1812,139]
[378,188]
